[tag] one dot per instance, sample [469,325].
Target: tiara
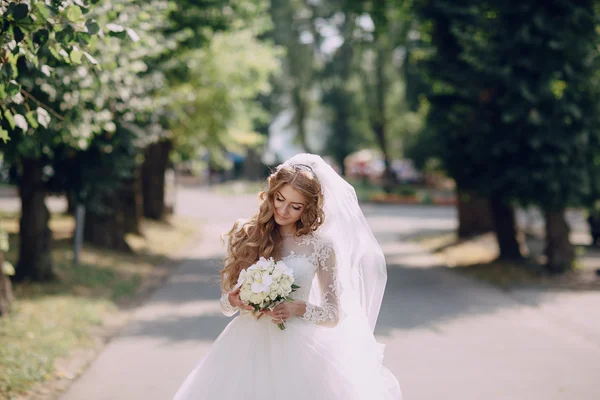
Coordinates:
[304,167]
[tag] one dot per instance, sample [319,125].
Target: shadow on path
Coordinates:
[188,306]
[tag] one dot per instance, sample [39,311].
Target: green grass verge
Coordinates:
[49,321]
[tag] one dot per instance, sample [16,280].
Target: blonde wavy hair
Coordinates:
[260,236]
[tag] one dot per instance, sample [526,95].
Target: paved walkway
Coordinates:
[448,337]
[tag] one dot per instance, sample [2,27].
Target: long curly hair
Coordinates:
[260,236]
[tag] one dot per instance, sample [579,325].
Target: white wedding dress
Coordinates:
[253,359]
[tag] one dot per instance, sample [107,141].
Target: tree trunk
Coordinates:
[156,159]
[107,229]
[132,206]
[71,202]
[340,142]
[474,215]
[6,295]
[253,166]
[35,262]
[559,250]
[301,107]
[507,233]
[380,121]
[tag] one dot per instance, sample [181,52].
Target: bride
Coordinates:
[310,219]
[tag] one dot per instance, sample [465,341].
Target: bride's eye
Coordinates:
[278,199]
[297,209]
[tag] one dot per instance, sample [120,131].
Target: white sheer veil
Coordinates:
[361,266]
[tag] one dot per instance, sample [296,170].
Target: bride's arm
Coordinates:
[226,307]
[328,312]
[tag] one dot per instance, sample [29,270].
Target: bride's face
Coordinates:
[289,204]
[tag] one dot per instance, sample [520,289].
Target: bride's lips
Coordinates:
[279,215]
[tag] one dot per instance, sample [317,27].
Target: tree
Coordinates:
[210,96]
[380,40]
[294,31]
[453,119]
[35,38]
[513,106]
[548,108]
[342,94]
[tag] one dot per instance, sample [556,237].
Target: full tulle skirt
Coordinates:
[253,359]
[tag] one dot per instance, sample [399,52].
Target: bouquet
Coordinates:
[265,284]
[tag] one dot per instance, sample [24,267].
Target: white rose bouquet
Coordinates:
[265,284]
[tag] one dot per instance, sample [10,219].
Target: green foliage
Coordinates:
[27,31]
[514,97]
[216,108]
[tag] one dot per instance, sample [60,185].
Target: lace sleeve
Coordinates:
[226,307]
[328,312]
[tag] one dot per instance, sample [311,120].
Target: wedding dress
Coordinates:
[309,360]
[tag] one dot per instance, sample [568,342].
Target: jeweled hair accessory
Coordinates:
[304,167]
[310,166]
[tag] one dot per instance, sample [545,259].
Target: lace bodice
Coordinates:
[310,257]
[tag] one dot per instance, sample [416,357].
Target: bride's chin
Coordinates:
[280,222]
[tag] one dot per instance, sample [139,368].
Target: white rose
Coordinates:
[245,296]
[242,276]
[256,298]
[261,264]
[277,272]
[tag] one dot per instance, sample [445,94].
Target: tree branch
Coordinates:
[40,104]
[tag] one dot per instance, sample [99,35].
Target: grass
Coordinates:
[53,320]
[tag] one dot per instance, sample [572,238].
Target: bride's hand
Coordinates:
[281,312]
[234,300]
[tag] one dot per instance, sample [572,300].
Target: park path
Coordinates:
[448,337]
